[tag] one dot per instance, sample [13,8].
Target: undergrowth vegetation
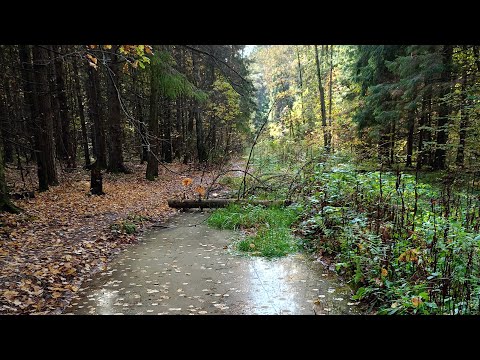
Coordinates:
[386,171]
[405,245]
[268,229]
[407,242]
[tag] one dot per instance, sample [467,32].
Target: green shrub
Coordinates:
[406,245]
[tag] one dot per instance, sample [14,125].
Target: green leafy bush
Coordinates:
[407,246]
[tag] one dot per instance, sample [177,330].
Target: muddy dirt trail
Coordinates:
[190,268]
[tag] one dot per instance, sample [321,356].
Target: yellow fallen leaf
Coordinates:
[53,270]
[56,295]
[37,290]
[10,294]
[416,301]
[186,182]
[200,190]
[25,287]
[92,58]
[29,301]
[384,272]
[56,288]
[39,273]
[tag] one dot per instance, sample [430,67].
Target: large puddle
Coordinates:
[190,268]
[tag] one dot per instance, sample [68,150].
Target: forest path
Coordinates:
[189,268]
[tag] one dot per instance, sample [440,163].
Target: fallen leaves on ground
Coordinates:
[416,301]
[65,235]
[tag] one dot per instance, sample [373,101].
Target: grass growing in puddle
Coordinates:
[268,228]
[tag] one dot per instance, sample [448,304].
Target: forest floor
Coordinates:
[65,235]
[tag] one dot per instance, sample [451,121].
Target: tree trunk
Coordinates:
[96,181]
[476,52]
[300,77]
[46,160]
[115,152]
[81,112]
[444,110]
[213,135]
[142,127]
[384,147]
[144,144]
[177,148]
[201,152]
[167,133]
[189,135]
[26,67]
[152,136]
[3,119]
[6,123]
[96,117]
[8,116]
[64,113]
[429,155]
[421,135]
[411,128]
[392,143]
[5,203]
[60,148]
[330,92]
[211,138]
[463,122]
[326,138]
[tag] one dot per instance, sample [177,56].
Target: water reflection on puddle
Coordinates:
[188,269]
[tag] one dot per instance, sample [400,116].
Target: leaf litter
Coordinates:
[65,235]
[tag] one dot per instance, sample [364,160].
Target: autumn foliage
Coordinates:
[65,235]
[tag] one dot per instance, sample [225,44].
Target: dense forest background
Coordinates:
[414,105]
[65,106]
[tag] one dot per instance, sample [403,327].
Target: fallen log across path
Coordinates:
[218,203]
